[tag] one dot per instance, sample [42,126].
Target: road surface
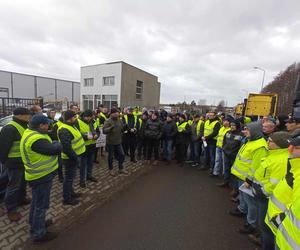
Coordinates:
[169,208]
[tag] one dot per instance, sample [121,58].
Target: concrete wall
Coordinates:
[151,87]
[30,86]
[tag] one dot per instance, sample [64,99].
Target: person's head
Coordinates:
[154,115]
[74,108]
[40,123]
[227,121]
[88,115]
[235,125]
[196,118]
[253,131]
[36,109]
[51,114]
[114,113]
[129,110]
[104,110]
[211,115]
[279,140]
[264,119]
[169,117]
[292,124]
[182,118]
[268,127]
[294,147]
[22,114]
[100,108]
[145,115]
[281,121]
[70,117]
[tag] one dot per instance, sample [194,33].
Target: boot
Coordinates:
[48,236]
[123,172]
[14,216]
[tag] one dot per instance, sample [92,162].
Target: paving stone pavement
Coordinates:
[15,235]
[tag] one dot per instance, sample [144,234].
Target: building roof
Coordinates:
[116,62]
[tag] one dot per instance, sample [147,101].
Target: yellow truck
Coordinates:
[239,109]
[261,104]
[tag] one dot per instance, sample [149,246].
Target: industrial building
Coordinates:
[118,84]
[19,85]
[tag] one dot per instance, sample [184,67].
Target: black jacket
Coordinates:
[153,129]
[141,131]
[8,135]
[66,137]
[169,130]
[232,143]
[184,136]
[131,124]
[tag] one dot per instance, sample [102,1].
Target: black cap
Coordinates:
[21,111]
[69,114]
[40,119]
[87,113]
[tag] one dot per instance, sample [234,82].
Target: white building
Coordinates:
[117,84]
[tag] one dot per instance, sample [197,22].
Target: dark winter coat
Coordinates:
[153,129]
[169,130]
[184,136]
[232,143]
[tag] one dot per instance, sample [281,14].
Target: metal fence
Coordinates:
[7,105]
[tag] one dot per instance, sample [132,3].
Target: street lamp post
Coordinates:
[263,79]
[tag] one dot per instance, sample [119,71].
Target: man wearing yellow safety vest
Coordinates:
[219,160]
[131,125]
[288,233]
[211,129]
[271,170]
[182,139]
[40,158]
[73,148]
[102,117]
[87,128]
[10,156]
[137,112]
[197,130]
[246,162]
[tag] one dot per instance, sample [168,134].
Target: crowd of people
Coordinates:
[257,160]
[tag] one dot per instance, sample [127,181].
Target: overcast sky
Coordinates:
[203,49]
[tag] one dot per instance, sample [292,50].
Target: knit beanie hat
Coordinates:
[281,139]
[21,111]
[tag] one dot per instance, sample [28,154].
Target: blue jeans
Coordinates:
[196,147]
[86,165]
[210,154]
[168,146]
[70,173]
[16,188]
[117,152]
[39,205]
[228,162]
[248,206]
[219,163]
[267,236]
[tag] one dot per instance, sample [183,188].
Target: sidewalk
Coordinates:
[16,235]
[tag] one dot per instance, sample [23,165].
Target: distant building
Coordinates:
[118,84]
[19,85]
[202,102]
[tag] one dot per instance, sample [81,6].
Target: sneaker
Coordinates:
[14,216]
[92,179]
[48,236]
[82,184]
[123,172]
[256,239]
[133,161]
[213,175]
[75,195]
[222,185]
[195,164]
[247,230]
[188,161]
[112,173]
[72,202]
[237,213]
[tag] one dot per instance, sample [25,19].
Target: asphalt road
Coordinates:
[170,208]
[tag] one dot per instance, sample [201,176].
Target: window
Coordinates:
[139,90]
[108,81]
[97,101]
[89,82]
[87,102]
[110,101]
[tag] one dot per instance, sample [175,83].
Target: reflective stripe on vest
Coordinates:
[135,120]
[36,165]
[181,127]
[77,143]
[198,127]
[209,128]
[14,151]
[221,135]
[242,166]
[85,129]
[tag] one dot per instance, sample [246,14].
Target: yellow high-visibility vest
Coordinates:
[221,135]
[14,151]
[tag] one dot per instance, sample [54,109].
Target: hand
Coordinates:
[95,137]
[247,185]
[203,138]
